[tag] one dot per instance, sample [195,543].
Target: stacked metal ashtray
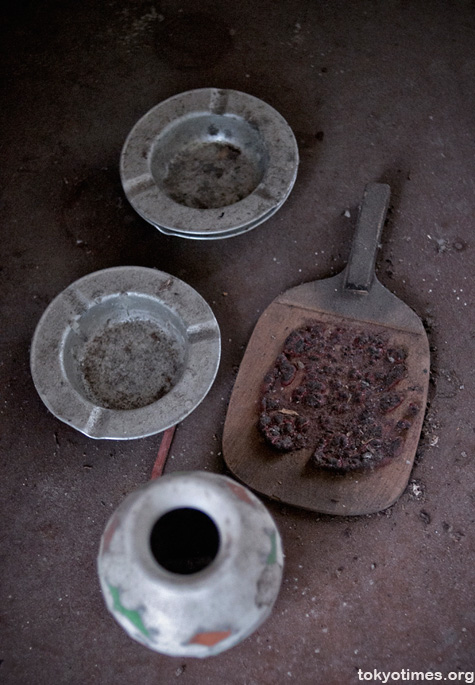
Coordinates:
[209,164]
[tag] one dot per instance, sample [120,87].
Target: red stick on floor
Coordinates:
[163,450]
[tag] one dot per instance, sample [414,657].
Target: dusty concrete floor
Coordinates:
[373,91]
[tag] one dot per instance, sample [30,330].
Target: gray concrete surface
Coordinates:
[375,91]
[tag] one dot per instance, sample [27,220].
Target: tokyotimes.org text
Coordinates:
[408,676]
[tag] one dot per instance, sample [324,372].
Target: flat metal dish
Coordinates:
[125,353]
[209,163]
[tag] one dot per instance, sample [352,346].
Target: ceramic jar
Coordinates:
[190,564]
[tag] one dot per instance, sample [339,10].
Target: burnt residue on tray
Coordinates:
[338,391]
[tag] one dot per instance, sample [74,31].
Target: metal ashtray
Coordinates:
[209,163]
[125,352]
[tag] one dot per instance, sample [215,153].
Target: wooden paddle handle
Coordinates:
[360,268]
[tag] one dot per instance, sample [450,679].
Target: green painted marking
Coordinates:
[272,558]
[133,616]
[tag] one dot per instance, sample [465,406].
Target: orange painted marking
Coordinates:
[240,492]
[109,533]
[210,639]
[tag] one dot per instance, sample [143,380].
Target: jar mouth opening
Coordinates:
[185,541]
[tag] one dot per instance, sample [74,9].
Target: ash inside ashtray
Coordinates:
[211,174]
[209,161]
[130,364]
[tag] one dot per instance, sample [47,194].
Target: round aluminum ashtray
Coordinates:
[125,353]
[209,163]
